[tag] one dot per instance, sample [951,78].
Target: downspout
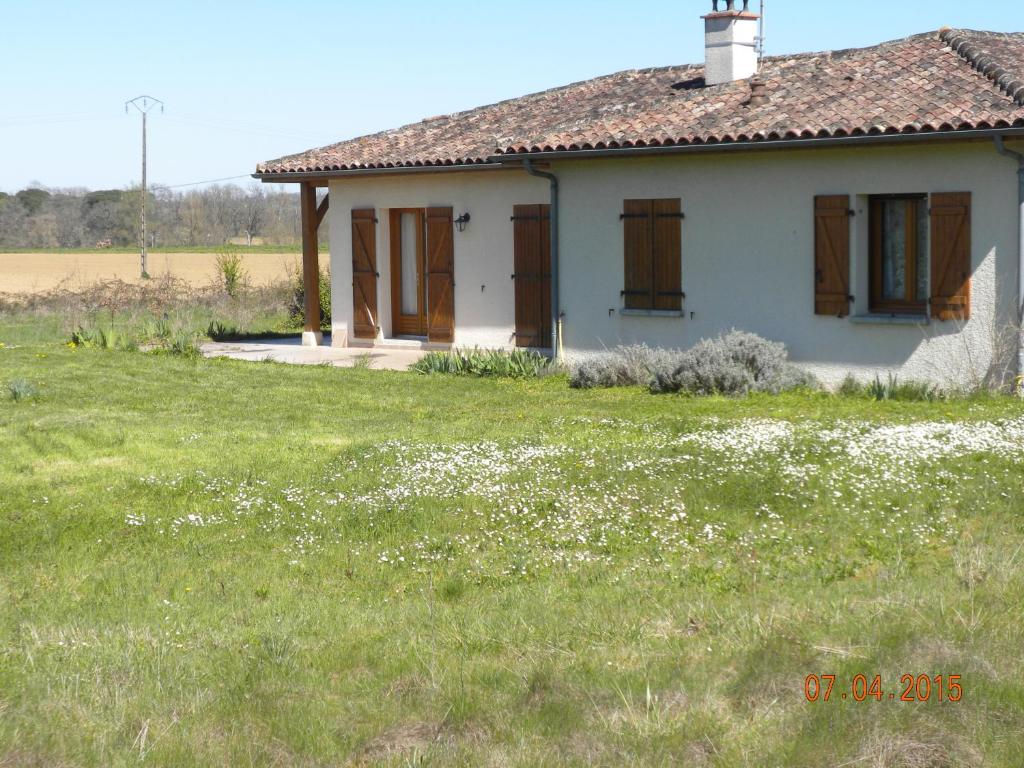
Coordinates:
[1002,149]
[556,315]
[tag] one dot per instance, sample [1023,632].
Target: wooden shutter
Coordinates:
[364,274]
[440,276]
[532,258]
[951,255]
[666,253]
[638,291]
[832,255]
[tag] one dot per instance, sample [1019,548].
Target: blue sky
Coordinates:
[249,81]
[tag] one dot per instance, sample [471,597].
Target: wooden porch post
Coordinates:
[311,336]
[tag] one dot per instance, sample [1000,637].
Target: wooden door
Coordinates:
[440,276]
[408,262]
[532,278]
[364,274]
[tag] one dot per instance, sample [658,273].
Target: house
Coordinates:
[862,206]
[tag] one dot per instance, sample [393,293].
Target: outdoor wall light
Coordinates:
[462,221]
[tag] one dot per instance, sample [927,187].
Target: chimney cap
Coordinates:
[758,92]
[730,10]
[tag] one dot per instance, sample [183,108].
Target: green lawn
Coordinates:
[214,563]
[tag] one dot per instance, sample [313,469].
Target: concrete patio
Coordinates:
[292,352]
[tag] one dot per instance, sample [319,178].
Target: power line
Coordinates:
[208,181]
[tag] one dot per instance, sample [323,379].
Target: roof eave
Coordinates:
[500,161]
[294,177]
[765,144]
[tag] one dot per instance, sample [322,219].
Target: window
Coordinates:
[653,255]
[899,254]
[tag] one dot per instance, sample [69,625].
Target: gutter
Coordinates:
[556,315]
[1002,150]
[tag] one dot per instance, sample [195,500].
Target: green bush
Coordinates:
[494,363]
[232,274]
[297,307]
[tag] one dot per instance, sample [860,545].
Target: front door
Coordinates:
[532,258]
[408,265]
[423,273]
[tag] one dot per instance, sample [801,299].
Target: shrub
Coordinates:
[908,391]
[851,387]
[21,389]
[82,337]
[517,364]
[625,366]
[232,274]
[185,344]
[219,331]
[297,306]
[735,364]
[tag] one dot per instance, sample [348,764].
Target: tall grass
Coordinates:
[21,389]
[892,388]
[113,314]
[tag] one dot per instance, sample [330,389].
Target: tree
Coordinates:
[108,215]
[33,199]
[70,218]
[254,208]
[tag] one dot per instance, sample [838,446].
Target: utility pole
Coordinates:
[144,104]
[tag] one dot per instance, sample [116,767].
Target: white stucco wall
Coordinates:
[747,251]
[484,299]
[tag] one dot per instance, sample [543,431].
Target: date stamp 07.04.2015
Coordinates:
[861,688]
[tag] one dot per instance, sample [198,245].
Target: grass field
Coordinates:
[208,563]
[40,271]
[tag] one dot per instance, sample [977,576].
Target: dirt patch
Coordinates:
[401,740]
[897,751]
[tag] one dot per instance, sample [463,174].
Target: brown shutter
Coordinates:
[832,255]
[364,274]
[951,255]
[440,276]
[532,258]
[639,284]
[666,254]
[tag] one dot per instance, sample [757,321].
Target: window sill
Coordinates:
[879,319]
[651,312]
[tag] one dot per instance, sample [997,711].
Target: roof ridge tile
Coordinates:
[967,45]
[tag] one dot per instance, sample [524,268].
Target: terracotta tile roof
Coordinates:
[948,81]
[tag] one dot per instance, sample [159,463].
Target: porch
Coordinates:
[295,352]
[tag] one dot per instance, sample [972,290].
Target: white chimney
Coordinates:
[730,43]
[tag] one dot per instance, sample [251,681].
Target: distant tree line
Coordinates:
[39,217]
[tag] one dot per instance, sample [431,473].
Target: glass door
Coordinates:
[408,262]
